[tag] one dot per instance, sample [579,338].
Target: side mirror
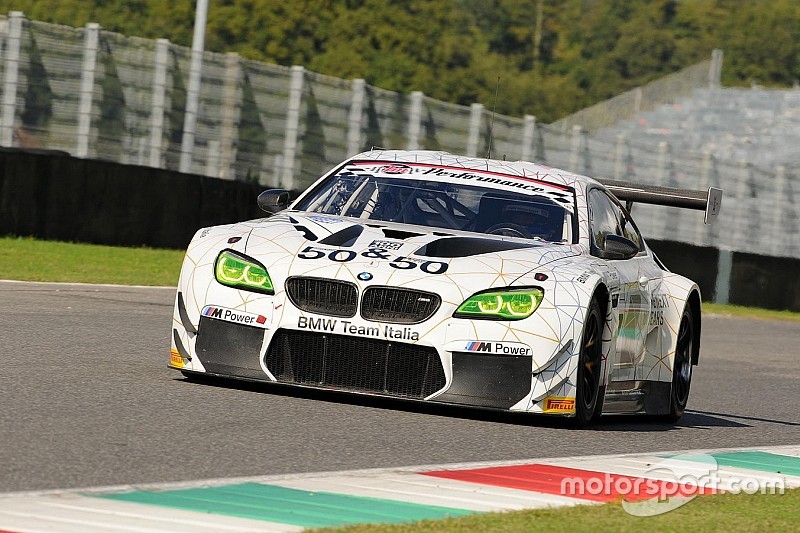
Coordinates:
[273,200]
[619,248]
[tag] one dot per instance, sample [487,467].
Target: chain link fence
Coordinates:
[98,94]
[662,91]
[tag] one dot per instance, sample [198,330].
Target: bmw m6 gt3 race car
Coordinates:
[440,278]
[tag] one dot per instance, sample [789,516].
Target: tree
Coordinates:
[454,50]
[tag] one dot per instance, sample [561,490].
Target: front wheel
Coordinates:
[587,398]
[682,367]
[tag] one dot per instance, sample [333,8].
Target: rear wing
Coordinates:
[709,201]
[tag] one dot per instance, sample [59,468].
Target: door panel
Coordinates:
[634,316]
[607,217]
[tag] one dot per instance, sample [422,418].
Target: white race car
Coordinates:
[441,278]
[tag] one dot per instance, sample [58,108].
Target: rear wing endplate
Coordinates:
[709,201]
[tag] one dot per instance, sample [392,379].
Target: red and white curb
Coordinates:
[512,485]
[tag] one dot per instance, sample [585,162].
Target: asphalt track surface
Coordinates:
[86,399]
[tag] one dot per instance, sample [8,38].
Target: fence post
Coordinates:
[715,69]
[475,115]
[159,102]
[355,117]
[292,127]
[661,163]
[575,148]
[193,87]
[212,159]
[779,210]
[539,143]
[414,121]
[619,158]
[664,177]
[141,150]
[742,199]
[706,168]
[585,152]
[528,133]
[722,287]
[11,74]
[670,180]
[231,111]
[88,71]
[637,100]
[743,186]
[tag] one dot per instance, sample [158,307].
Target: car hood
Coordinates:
[385,253]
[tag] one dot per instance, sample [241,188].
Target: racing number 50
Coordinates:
[400,263]
[310,250]
[340,256]
[429,267]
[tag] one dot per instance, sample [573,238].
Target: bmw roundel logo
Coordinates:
[364,276]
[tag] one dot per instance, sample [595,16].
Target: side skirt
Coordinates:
[646,397]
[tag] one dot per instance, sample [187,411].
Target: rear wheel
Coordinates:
[587,398]
[682,367]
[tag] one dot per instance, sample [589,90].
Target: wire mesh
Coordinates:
[677,131]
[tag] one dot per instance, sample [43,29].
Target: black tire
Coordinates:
[590,362]
[682,367]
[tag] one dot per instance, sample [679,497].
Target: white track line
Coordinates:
[76,510]
[71,512]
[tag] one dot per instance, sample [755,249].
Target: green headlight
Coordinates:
[501,305]
[237,271]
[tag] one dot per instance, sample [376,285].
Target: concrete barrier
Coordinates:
[51,195]
[698,263]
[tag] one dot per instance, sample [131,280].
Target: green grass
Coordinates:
[27,259]
[725,512]
[750,312]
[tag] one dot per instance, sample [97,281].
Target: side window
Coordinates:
[606,217]
[603,218]
[629,230]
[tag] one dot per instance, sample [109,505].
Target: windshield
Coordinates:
[454,199]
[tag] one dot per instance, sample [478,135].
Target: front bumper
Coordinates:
[416,362]
[488,380]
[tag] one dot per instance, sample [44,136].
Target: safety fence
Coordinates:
[647,98]
[101,95]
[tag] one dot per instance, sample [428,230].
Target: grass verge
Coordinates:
[750,312]
[724,512]
[27,259]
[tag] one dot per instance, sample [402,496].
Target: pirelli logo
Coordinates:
[175,359]
[557,404]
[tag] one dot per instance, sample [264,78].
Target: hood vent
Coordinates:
[346,237]
[467,246]
[398,234]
